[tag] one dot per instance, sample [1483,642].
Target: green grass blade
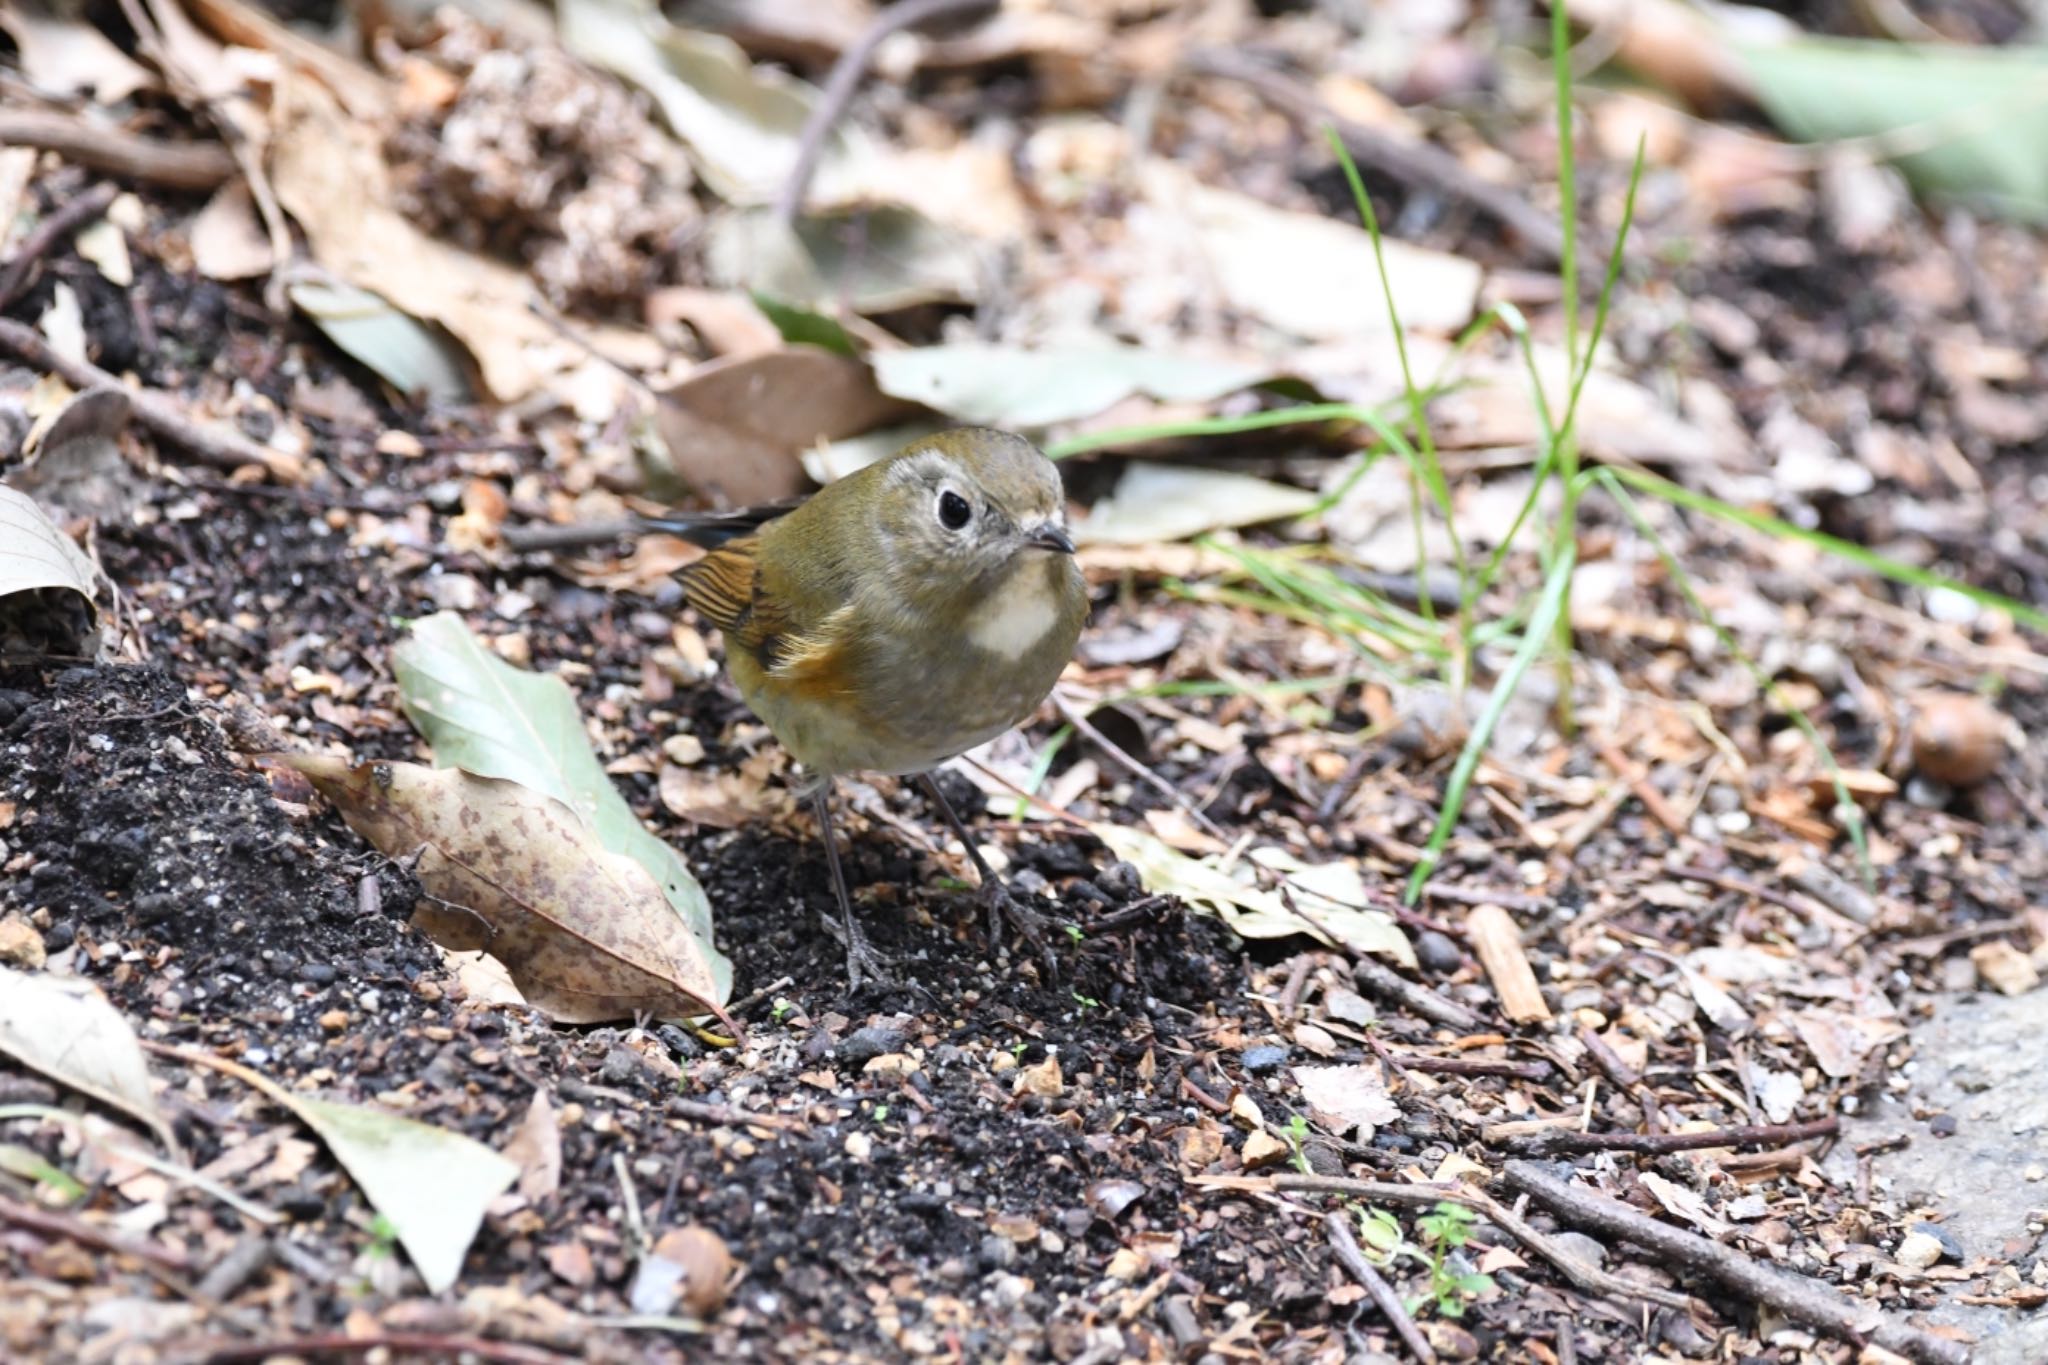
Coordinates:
[1541,621]
[1862,555]
[1429,468]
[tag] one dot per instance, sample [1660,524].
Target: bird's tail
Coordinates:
[713,529]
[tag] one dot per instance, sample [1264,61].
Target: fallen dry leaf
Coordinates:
[64,1028]
[735,427]
[1348,1096]
[587,934]
[330,176]
[537,1148]
[689,1268]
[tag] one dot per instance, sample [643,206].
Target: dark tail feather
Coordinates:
[713,529]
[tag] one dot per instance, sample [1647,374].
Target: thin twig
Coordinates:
[1747,1135]
[1116,754]
[840,85]
[1639,784]
[1729,882]
[1533,1072]
[1479,895]
[210,443]
[61,223]
[1297,981]
[728,1116]
[752,998]
[147,160]
[51,1223]
[1384,982]
[575,535]
[1798,1298]
[1337,1226]
[1611,1063]
[1412,163]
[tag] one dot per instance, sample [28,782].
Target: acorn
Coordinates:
[1958,740]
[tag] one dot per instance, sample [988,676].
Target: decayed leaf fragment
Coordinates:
[1252,911]
[1349,1096]
[64,1028]
[432,1184]
[586,934]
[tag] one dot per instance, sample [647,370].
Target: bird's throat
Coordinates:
[1018,614]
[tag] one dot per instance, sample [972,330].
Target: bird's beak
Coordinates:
[1051,536]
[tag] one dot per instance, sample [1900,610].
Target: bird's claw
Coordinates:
[864,962]
[1002,906]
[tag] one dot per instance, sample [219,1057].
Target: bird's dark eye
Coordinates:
[954,512]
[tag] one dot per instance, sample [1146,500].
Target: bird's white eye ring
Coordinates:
[954,511]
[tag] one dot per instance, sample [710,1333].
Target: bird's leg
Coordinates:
[862,961]
[995,895]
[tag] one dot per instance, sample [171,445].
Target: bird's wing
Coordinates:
[728,589]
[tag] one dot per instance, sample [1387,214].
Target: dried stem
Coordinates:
[1800,1299]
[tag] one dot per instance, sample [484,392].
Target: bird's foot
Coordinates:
[865,963]
[1004,906]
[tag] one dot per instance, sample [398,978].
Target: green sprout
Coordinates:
[1444,1229]
[1296,1133]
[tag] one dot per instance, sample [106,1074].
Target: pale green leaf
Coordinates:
[63,1027]
[872,259]
[1162,502]
[1007,386]
[739,121]
[486,717]
[1968,123]
[34,554]
[1254,912]
[406,353]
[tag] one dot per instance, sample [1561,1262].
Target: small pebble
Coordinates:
[1437,953]
[1918,1250]
[1260,1060]
[864,1045]
[997,1253]
[1927,794]
[1949,1245]
[1120,881]
[1580,1245]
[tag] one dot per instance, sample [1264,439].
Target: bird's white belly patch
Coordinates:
[1017,615]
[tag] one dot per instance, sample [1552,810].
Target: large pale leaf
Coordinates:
[489,718]
[63,1027]
[329,173]
[737,427]
[1158,502]
[34,554]
[586,933]
[1309,275]
[870,259]
[740,121]
[433,1185]
[1252,911]
[1975,119]
[405,353]
[1009,387]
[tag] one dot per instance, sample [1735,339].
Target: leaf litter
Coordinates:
[1640,860]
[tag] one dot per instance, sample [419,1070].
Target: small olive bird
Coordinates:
[895,619]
